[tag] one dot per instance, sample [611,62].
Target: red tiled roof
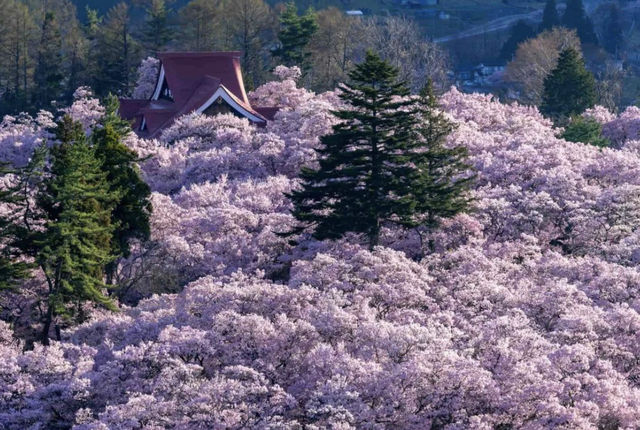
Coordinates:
[268,112]
[193,78]
[185,71]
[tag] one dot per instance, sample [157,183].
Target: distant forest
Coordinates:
[50,48]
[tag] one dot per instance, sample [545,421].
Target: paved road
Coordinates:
[505,22]
[491,26]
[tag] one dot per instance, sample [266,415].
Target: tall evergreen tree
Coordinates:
[19,218]
[156,32]
[75,246]
[520,32]
[550,17]
[576,18]
[48,75]
[116,54]
[200,25]
[569,89]
[18,36]
[12,266]
[444,175]
[295,34]
[369,169]
[612,38]
[250,28]
[130,216]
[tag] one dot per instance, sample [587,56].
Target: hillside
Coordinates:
[525,314]
[459,14]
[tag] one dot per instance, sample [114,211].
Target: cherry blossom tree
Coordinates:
[148,72]
[526,315]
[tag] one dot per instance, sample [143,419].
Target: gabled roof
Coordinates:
[185,71]
[195,80]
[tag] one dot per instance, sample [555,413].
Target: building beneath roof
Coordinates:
[204,82]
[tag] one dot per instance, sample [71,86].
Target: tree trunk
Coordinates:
[47,326]
[374,236]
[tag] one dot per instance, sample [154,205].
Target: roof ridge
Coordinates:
[177,54]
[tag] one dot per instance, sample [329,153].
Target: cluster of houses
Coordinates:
[477,77]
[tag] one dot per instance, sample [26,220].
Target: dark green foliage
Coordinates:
[90,203]
[575,18]
[157,31]
[116,55]
[17,223]
[550,17]
[48,74]
[569,89]
[75,245]
[612,38]
[520,32]
[441,185]
[294,36]
[130,216]
[585,130]
[13,267]
[372,167]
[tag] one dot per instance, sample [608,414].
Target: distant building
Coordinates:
[417,3]
[204,82]
[479,76]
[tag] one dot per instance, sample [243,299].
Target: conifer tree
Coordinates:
[48,74]
[550,17]
[130,216]
[569,89]
[575,18]
[612,38]
[12,266]
[116,54]
[520,32]
[75,246]
[368,173]
[19,218]
[585,130]
[295,34]
[19,34]
[156,32]
[443,177]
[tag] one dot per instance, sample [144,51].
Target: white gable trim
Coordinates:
[223,93]
[156,94]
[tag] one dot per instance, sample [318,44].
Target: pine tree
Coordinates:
[48,75]
[13,267]
[550,17]
[520,32]
[156,32]
[612,38]
[585,130]
[75,246]
[368,165]
[200,25]
[569,89]
[443,176]
[116,54]
[575,18]
[295,34]
[19,34]
[19,218]
[132,210]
